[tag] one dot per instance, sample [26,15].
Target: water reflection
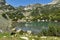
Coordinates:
[35,27]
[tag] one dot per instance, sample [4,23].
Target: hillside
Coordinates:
[28,13]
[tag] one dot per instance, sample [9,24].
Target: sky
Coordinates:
[17,3]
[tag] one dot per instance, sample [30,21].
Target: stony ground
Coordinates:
[27,37]
[30,38]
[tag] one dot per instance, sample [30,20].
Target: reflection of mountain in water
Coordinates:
[35,27]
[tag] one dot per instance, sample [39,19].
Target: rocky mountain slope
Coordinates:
[29,13]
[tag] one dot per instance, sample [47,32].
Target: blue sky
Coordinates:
[17,3]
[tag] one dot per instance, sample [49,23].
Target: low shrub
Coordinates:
[51,31]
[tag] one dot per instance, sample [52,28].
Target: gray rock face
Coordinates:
[2,2]
[3,23]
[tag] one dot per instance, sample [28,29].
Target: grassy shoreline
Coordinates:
[27,37]
[30,38]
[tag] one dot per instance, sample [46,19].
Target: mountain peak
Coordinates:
[54,2]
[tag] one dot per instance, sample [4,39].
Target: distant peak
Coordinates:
[54,2]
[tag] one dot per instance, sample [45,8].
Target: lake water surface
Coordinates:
[35,27]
